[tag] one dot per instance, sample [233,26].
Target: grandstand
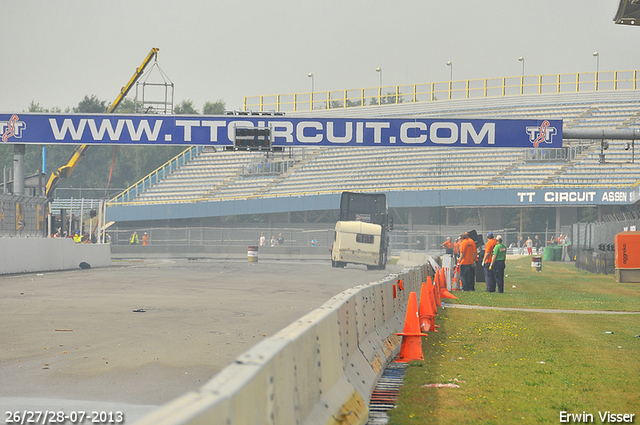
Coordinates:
[228,181]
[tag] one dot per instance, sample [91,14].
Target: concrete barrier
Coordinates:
[28,255]
[218,252]
[321,369]
[412,259]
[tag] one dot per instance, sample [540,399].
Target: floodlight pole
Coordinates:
[450,65]
[378,69]
[312,88]
[521,59]
[597,55]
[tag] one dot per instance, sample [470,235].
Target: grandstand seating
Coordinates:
[219,175]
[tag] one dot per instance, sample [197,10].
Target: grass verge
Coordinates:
[528,367]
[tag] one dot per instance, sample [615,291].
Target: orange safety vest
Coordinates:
[468,252]
[488,250]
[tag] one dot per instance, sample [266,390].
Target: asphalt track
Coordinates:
[140,333]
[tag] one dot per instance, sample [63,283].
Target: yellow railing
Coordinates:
[155,176]
[463,89]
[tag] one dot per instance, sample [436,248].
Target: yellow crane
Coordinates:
[79,151]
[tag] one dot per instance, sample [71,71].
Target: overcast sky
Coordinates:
[56,52]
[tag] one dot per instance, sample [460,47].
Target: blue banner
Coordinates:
[108,129]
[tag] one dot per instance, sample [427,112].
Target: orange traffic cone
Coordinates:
[425,311]
[411,348]
[455,285]
[436,290]
[432,297]
[444,293]
[431,289]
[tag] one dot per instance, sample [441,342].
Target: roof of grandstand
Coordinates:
[591,172]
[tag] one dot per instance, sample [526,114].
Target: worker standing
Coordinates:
[456,249]
[489,276]
[468,258]
[134,239]
[145,239]
[448,246]
[498,263]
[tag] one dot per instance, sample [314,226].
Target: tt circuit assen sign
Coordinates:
[577,197]
[285,131]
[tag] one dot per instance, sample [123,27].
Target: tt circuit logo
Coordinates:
[542,134]
[12,128]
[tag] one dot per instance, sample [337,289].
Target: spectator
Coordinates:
[529,246]
[521,244]
[280,239]
[314,242]
[263,239]
[273,241]
[536,244]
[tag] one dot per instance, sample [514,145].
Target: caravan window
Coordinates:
[362,238]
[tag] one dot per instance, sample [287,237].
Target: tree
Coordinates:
[216,108]
[185,107]
[35,107]
[388,99]
[91,105]
[127,106]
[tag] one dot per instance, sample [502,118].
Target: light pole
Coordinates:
[450,65]
[310,75]
[378,69]
[597,55]
[521,59]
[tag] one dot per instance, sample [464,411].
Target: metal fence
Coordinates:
[601,236]
[426,239]
[595,262]
[224,236]
[22,216]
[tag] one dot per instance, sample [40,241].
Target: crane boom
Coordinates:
[78,153]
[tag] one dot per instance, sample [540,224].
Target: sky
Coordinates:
[56,52]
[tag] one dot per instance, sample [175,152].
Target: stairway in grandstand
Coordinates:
[219,175]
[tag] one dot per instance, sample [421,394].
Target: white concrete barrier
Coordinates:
[412,258]
[319,370]
[28,255]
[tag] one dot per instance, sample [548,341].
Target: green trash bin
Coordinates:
[558,253]
[549,253]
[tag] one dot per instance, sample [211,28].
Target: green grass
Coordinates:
[527,367]
[558,286]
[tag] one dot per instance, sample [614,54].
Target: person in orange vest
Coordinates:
[467,263]
[456,249]
[145,239]
[489,276]
[448,246]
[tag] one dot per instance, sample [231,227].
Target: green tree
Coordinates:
[35,107]
[352,103]
[127,106]
[216,108]
[91,105]
[185,107]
